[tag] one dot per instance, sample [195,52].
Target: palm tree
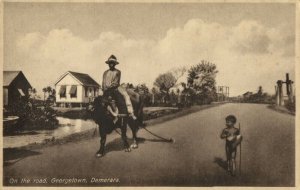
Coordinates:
[33,93]
[44,90]
[49,90]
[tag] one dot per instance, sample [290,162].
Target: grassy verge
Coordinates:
[281,109]
[180,113]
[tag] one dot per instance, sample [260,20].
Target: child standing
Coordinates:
[233,139]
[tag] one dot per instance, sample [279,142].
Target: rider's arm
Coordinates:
[104,87]
[117,111]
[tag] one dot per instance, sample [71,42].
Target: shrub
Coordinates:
[291,105]
[33,116]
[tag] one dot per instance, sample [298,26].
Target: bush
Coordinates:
[33,116]
[291,106]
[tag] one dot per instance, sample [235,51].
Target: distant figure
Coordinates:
[113,110]
[233,139]
[111,84]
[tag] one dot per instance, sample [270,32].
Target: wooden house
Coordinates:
[247,95]
[75,89]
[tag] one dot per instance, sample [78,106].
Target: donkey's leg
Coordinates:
[124,136]
[134,128]
[101,151]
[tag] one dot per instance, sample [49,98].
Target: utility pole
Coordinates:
[279,91]
[224,91]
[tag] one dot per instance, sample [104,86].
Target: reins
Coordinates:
[153,134]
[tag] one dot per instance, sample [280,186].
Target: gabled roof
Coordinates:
[82,78]
[9,76]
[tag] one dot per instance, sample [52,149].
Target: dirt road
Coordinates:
[195,159]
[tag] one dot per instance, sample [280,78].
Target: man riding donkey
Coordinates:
[125,106]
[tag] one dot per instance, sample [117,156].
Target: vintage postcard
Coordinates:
[144,94]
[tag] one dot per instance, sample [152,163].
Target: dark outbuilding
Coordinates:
[15,86]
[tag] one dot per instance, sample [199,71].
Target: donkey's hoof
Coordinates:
[127,150]
[99,155]
[134,146]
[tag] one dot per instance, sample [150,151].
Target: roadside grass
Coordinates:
[281,109]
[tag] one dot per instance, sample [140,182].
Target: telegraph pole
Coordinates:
[224,91]
[279,90]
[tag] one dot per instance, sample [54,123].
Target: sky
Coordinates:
[251,44]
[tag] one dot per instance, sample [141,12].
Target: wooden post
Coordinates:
[277,95]
[287,81]
[291,97]
[280,92]
[224,92]
[289,88]
[228,91]
[240,165]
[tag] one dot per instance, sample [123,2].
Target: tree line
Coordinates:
[180,86]
[199,86]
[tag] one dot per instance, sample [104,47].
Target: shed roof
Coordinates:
[9,76]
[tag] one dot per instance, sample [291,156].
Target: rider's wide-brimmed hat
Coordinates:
[112,59]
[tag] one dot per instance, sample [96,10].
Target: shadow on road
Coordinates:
[142,140]
[222,163]
[16,133]
[117,144]
[13,155]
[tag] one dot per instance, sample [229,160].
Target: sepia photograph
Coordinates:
[144,94]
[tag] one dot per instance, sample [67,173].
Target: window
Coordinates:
[86,91]
[95,92]
[21,92]
[73,91]
[90,92]
[62,91]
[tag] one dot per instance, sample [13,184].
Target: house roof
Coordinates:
[9,76]
[247,93]
[83,78]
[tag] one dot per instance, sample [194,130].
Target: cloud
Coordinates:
[251,37]
[247,55]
